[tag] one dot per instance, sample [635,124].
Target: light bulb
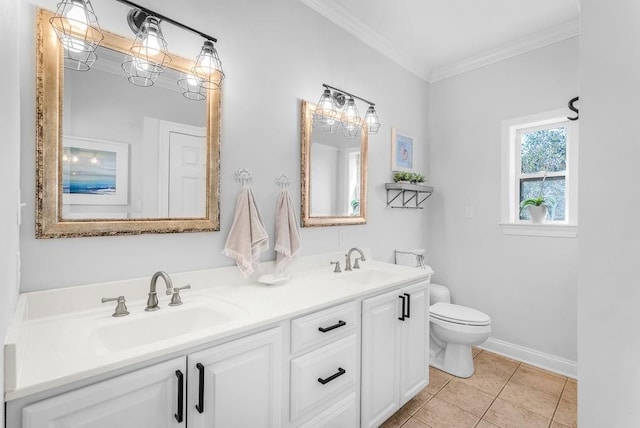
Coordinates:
[77,17]
[141,64]
[151,43]
[191,80]
[74,159]
[94,160]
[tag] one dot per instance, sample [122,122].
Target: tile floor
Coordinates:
[501,393]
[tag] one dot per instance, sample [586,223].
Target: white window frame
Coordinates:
[510,192]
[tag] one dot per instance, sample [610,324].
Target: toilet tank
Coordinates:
[439,294]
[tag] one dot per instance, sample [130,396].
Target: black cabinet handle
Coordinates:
[402,311]
[200,405]
[179,415]
[408,305]
[341,371]
[326,329]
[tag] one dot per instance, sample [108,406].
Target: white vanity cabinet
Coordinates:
[150,397]
[395,351]
[237,384]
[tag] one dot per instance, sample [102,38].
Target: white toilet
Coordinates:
[454,329]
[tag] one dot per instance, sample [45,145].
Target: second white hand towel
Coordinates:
[287,233]
[248,237]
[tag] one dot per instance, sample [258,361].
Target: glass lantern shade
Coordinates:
[351,120]
[372,121]
[208,68]
[78,31]
[192,88]
[149,54]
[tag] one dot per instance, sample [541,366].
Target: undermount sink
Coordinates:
[151,327]
[367,276]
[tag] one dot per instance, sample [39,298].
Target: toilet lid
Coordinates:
[458,314]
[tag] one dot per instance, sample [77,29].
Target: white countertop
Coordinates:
[58,336]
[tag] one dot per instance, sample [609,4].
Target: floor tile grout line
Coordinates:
[501,389]
[559,400]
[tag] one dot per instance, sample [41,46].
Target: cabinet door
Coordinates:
[381,338]
[237,384]
[414,367]
[145,398]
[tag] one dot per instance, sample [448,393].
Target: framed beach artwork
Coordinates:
[402,151]
[94,172]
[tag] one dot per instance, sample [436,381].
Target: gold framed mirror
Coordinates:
[333,175]
[141,200]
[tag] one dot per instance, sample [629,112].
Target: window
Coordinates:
[540,160]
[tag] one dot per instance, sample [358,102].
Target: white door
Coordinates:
[237,384]
[414,367]
[149,397]
[381,339]
[187,175]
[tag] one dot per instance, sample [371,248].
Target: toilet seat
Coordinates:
[458,314]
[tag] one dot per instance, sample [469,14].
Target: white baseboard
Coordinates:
[535,358]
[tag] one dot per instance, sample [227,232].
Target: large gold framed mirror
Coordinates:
[118,159]
[333,174]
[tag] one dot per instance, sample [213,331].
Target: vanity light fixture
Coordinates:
[208,69]
[334,110]
[78,31]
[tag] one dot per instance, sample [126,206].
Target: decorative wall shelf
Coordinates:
[405,193]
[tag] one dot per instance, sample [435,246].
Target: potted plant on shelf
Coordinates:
[408,177]
[402,177]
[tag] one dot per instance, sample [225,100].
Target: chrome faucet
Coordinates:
[152,302]
[347,263]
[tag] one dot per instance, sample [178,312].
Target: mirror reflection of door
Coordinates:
[187,179]
[181,169]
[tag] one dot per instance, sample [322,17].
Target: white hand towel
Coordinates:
[287,233]
[248,237]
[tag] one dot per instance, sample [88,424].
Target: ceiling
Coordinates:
[436,39]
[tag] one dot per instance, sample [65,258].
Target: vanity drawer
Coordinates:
[322,375]
[323,327]
[343,414]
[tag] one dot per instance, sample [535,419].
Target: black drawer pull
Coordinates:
[341,371]
[408,305]
[326,329]
[402,310]
[179,415]
[200,405]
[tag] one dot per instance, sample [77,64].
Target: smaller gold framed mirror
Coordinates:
[333,174]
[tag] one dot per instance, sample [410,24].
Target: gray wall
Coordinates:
[526,284]
[10,171]
[275,54]
[609,292]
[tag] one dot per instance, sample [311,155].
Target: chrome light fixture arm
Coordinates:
[164,18]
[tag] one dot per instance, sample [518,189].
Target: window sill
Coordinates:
[545,229]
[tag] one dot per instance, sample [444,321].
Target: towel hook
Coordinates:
[573,108]
[243,176]
[283,181]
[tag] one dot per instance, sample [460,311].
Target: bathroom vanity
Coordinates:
[321,349]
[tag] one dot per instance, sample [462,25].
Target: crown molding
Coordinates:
[340,16]
[526,44]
